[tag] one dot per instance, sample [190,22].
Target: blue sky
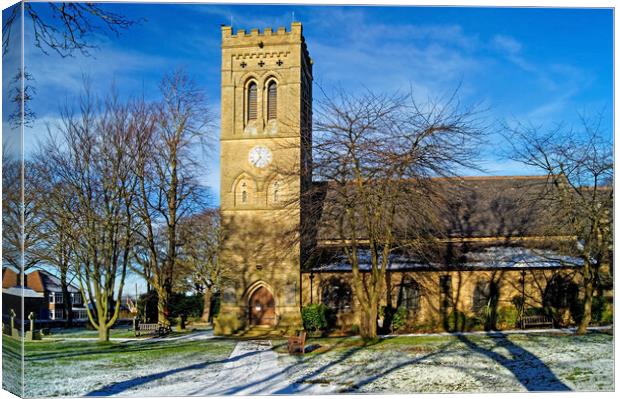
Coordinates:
[538,65]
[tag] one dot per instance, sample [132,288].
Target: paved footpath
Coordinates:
[252,369]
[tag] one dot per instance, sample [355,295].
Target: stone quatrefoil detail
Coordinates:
[261,64]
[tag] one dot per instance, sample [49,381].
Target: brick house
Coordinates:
[47,286]
[20,300]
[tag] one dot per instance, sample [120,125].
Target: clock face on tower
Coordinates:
[260,156]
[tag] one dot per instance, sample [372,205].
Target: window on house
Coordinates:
[252,101]
[272,101]
[76,298]
[336,294]
[51,314]
[80,314]
[51,298]
[58,297]
[59,314]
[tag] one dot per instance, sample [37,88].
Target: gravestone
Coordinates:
[14,331]
[32,334]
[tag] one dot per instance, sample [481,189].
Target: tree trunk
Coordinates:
[162,303]
[206,312]
[104,332]
[586,317]
[368,327]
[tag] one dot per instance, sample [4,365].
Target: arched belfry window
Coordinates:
[252,96]
[272,100]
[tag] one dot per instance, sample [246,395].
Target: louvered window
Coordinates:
[272,101]
[252,101]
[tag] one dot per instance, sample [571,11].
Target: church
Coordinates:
[487,252]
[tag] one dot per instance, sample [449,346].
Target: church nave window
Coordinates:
[336,295]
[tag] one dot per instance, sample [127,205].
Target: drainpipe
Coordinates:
[311,288]
[522,297]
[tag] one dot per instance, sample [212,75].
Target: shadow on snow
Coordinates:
[528,369]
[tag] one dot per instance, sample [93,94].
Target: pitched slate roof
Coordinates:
[38,280]
[41,280]
[502,206]
[488,206]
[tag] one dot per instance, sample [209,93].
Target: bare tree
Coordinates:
[168,184]
[54,200]
[21,98]
[16,205]
[579,167]
[64,27]
[378,154]
[202,238]
[91,155]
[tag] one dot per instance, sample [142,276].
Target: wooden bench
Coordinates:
[151,328]
[297,343]
[536,321]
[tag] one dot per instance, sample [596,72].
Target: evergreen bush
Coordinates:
[315,317]
[601,311]
[399,318]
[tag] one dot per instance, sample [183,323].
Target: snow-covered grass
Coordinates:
[11,365]
[82,332]
[467,363]
[76,368]
[198,364]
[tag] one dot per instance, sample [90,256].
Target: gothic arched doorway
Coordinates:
[262,308]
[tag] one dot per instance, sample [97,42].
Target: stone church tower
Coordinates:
[265,171]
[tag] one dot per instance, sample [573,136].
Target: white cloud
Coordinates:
[431,58]
[507,44]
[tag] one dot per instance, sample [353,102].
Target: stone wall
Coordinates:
[433,309]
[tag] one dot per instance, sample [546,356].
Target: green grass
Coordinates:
[579,373]
[414,343]
[141,351]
